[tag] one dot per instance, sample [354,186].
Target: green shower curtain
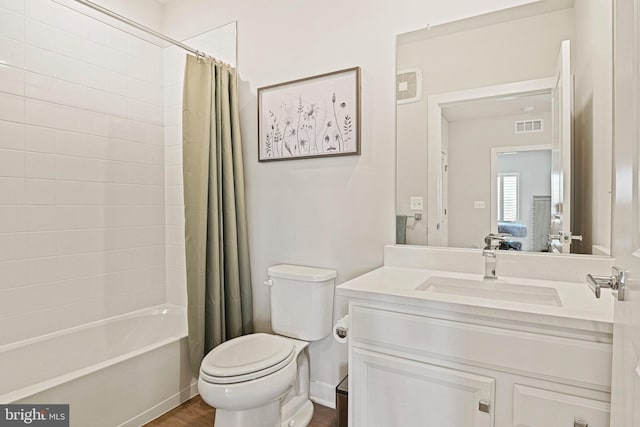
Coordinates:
[217,252]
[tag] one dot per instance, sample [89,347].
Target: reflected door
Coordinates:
[443,199]
[562,122]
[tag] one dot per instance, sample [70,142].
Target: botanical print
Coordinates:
[311,117]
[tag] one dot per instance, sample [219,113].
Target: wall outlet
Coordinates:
[478,204]
[417,203]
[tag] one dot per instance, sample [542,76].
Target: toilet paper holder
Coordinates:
[342,331]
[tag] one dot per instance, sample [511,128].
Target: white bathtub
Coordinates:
[123,371]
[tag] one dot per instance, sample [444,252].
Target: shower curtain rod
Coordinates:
[141,27]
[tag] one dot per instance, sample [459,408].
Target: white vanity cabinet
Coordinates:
[396,391]
[433,368]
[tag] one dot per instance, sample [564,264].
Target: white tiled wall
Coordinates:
[174,60]
[82,217]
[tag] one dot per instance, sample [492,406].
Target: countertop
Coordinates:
[578,309]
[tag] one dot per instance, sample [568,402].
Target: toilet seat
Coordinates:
[246,358]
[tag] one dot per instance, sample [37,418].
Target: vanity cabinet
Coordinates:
[395,391]
[538,407]
[415,368]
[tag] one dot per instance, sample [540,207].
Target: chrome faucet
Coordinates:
[491,243]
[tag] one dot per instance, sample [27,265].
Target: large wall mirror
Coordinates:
[504,125]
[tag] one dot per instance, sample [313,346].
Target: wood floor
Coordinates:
[196,413]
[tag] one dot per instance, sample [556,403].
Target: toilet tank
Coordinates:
[301,301]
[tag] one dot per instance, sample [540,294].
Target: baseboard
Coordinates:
[323,394]
[163,407]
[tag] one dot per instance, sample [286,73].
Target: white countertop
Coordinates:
[397,285]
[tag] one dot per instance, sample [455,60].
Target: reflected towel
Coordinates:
[401,229]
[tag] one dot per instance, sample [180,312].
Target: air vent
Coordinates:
[409,86]
[526,126]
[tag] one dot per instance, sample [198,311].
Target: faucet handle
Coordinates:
[491,237]
[498,236]
[494,237]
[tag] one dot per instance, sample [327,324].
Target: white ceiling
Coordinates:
[497,107]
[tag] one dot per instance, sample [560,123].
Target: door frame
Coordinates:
[435,104]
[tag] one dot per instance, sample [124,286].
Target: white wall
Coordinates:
[470,143]
[221,44]
[81,169]
[336,212]
[517,50]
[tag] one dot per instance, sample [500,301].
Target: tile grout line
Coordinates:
[24,114]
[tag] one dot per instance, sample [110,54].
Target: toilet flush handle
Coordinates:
[268,282]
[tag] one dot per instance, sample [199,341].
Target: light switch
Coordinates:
[478,204]
[417,203]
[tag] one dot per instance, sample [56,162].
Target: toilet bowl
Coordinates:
[245,379]
[263,379]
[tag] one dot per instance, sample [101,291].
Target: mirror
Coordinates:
[504,125]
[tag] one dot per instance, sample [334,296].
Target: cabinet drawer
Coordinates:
[392,391]
[567,360]
[534,407]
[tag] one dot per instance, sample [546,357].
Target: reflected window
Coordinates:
[508,184]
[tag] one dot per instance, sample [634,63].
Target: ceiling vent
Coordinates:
[526,126]
[408,86]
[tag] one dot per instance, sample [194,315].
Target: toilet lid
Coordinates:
[247,357]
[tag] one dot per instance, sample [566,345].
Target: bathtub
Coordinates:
[122,371]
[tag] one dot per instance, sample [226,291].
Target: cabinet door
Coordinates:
[534,407]
[392,391]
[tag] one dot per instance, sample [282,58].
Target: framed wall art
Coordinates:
[317,116]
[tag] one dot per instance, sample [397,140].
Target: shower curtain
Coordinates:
[217,254]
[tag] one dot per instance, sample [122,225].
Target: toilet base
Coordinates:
[301,418]
[267,416]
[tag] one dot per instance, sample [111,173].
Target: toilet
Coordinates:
[263,379]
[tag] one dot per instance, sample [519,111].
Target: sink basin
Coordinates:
[492,289]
